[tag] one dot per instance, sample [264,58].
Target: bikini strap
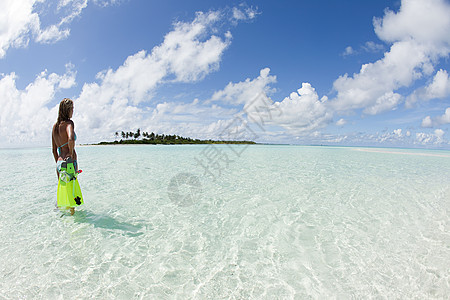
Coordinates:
[60,147]
[63,145]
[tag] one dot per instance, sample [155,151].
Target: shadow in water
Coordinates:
[107,222]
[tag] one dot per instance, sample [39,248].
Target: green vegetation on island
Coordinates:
[152,138]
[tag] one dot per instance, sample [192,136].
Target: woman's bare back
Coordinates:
[62,136]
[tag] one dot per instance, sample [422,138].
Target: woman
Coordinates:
[63,137]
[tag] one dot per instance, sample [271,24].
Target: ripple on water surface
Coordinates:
[283,222]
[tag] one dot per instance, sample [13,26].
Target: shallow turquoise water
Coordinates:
[254,222]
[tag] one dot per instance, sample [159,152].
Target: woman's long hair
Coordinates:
[65,106]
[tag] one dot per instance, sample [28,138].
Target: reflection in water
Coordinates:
[106,222]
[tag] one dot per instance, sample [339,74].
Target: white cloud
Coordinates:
[419,40]
[445,118]
[69,9]
[188,53]
[438,88]
[369,87]
[104,3]
[439,133]
[384,103]
[373,47]
[348,51]
[428,122]
[20,108]
[180,114]
[398,137]
[17,19]
[370,46]
[20,21]
[424,21]
[398,132]
[194,119]
[52,34]
[341,122]
[435,138]
[245,92]
[244,13]
[238,14]
[393,137]
[302,112]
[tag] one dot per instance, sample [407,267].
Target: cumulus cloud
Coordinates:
[188,53]
[302,112]
[445,118]
[384,103]
[393,137]
[194,119]
[435,138]
[376,81]
[422,21]
[21,21]
[438,88]
[17,19]
[20,108]
[245,92]
[180,114]
[185,54]
[418,41]
[69,9]
[341,122]
[428,122]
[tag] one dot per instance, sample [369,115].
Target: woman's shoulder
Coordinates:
[66,123]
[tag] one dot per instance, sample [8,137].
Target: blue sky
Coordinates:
[366,73]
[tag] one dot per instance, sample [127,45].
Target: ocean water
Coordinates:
[228,222]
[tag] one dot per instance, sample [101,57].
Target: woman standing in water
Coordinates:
[63,137]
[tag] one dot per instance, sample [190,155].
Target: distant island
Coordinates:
[152,138]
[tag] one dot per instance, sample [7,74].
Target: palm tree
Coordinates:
[137,134]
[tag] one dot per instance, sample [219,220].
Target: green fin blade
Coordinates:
[69,194]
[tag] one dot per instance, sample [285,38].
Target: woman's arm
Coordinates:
[54,147]
[70,138]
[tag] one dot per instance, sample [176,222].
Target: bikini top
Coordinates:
[60,147]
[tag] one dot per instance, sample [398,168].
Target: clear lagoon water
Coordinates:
[228,222]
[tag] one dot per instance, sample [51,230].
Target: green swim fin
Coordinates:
[69,192]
